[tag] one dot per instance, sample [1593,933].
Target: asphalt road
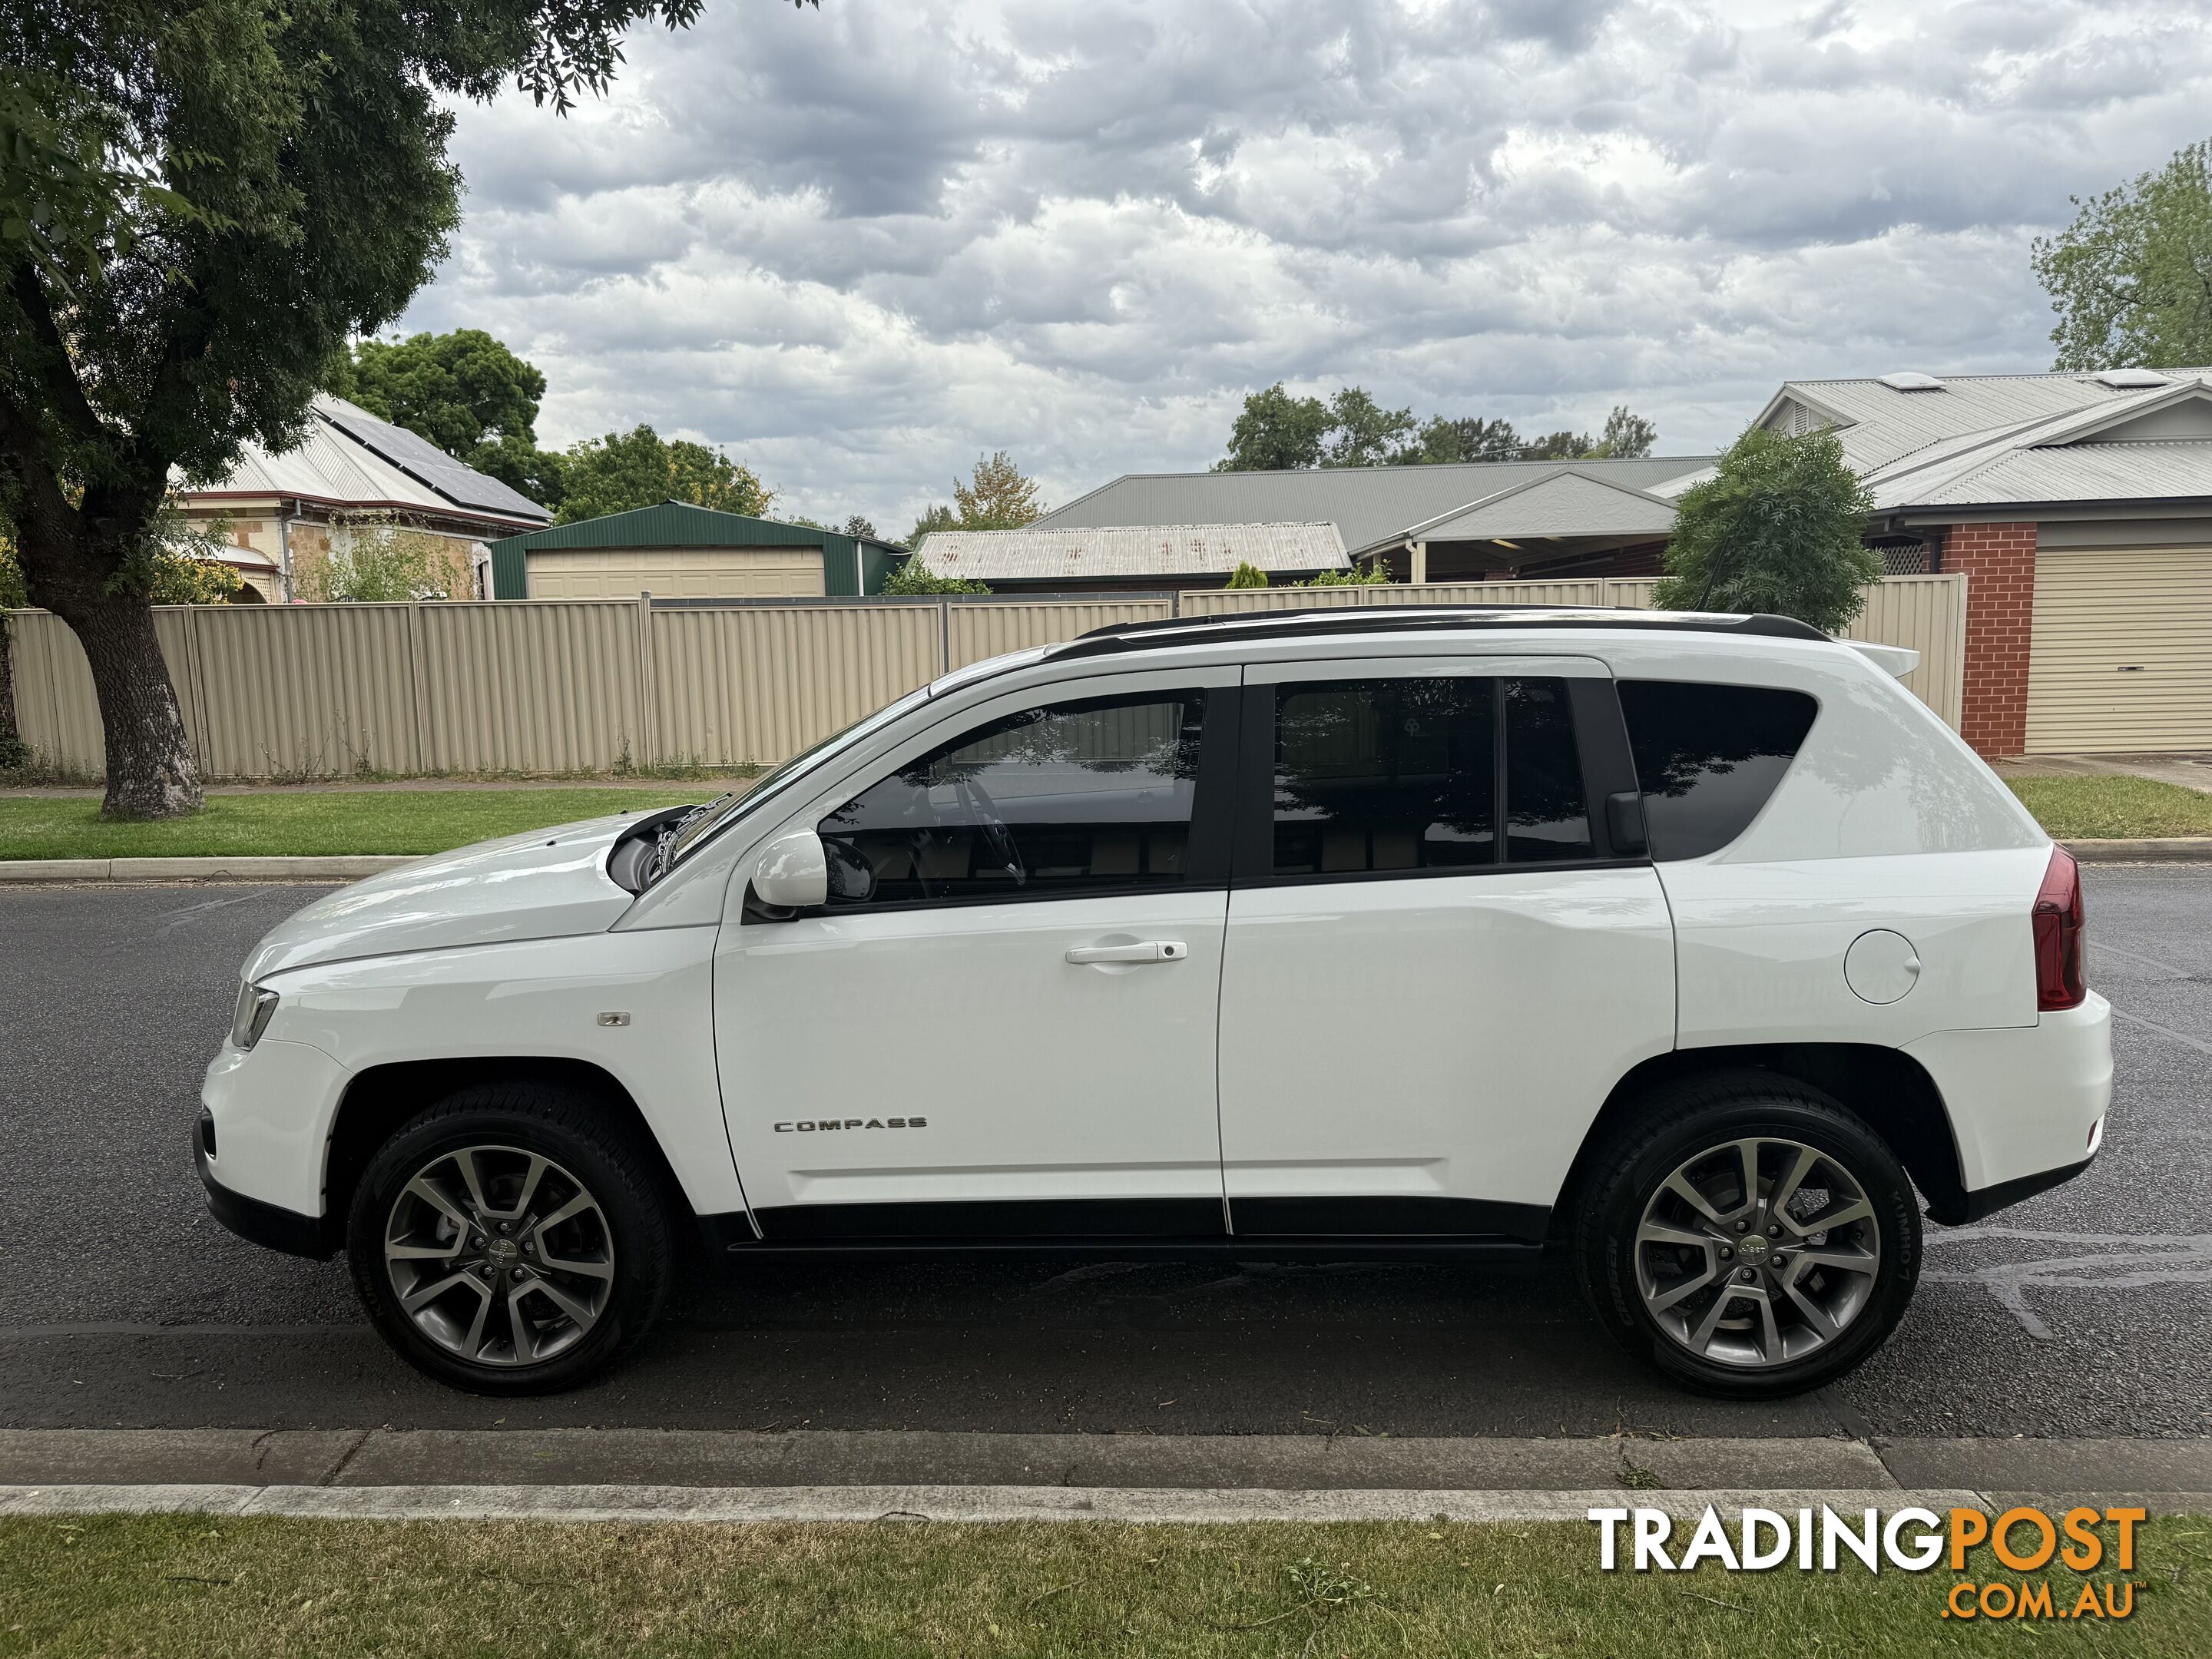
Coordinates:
[2087,1311]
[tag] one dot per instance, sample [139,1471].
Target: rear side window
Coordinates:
[1418,774]
[1707,757]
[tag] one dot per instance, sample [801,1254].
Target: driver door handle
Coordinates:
[1164,949]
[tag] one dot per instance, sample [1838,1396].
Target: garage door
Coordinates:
[2122,657]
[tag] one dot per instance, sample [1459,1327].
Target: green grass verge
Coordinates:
[193,1585]
[364,821]
[2117,808]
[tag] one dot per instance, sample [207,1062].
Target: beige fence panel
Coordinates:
[558,685]
[984,628]
[760,683]
[56,710]
[280,691]
[1928,613]
[1218,601]
[549,685]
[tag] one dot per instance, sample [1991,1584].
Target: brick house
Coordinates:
[275,513]
[2078,507]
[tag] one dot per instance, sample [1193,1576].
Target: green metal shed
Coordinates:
[851,566]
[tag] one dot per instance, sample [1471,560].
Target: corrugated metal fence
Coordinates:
[597,685]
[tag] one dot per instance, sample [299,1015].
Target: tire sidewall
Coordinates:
[639,1234]
[1617,1203]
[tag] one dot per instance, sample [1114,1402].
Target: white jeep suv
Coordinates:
[1688,945]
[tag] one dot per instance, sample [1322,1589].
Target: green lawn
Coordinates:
[196,1585]
[2118,808]
[365,821]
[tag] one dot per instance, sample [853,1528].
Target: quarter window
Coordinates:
[1073,799]
[1707,757]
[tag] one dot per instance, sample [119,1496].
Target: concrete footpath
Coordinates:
[688,1474]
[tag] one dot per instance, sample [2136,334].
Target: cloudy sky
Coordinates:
[860,245]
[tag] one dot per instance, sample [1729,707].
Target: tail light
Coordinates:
[2058,979]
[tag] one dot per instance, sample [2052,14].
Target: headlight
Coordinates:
[255,1006]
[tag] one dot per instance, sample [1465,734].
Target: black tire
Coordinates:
[1676,1126]
[627,1230]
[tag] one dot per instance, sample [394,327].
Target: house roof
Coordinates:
[347,457]
[1573,501]
[1044,553]
[2003,440]
[1370,505]
[681,524]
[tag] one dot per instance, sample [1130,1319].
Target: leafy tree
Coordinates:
[2131,277]
[1366,434]
[998,496]
[1558,447]
[1626,438]
[914,578]
[1776,528]
[1247,575]
[1276,433]
[1471,438]
[860,529]
[201,201]
[641,468]
[461,390]
[940,517]
[182,578]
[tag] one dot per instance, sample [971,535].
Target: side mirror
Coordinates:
[793,874]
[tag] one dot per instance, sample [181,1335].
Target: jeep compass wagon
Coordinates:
[1687,947]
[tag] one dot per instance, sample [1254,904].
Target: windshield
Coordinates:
[693,830]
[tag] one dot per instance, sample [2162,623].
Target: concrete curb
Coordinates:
[944,1504]
[698,1460]
[350,867]
[2162,850]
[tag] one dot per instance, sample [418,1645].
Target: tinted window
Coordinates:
[1707,756]
[1384,775]
[1078,798]
[1547,809]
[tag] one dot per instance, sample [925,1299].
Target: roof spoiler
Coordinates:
[1895,659]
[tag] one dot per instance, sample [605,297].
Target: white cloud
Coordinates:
[860,246]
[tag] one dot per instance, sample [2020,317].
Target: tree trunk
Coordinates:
[151,772]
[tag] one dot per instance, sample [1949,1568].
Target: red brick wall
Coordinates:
[1999,560]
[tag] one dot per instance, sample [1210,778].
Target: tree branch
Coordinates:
[55,369]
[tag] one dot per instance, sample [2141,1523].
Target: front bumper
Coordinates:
[270,1225]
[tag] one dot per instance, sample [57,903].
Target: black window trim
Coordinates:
[1601,739]
[1210,813]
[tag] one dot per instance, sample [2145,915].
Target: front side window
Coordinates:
[1071,800]
[1707,756]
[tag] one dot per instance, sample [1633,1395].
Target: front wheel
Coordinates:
[510,1240]
[1751,1238]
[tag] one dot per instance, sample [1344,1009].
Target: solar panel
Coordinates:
[426,463]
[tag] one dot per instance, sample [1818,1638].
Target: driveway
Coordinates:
[2087,1311]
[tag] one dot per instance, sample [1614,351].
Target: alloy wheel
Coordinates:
[499,1255]
[1756,1253]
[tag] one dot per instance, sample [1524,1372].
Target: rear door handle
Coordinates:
[1163,950]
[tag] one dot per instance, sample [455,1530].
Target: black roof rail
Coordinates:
[1234,627]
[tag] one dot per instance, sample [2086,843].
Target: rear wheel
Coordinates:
[510,1240]
[1750,1237]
